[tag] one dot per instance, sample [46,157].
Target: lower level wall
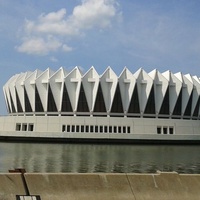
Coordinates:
[100,127]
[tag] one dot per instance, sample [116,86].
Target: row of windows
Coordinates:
[24,127]
[95,129]
[117,105]
[165,130]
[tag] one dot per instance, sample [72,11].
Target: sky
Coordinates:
[156,34]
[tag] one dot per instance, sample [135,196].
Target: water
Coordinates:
[37,157]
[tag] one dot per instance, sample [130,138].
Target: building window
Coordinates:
[110,129]
[73,128]
[91,129]
[96,129]
[68,128]
[66,104]
[18,127]
[128,129]
[86,129]
[24,127]
[38,103]
[164,110]
[105,129]
[99,102]
[117,106]
[27,102]
[82,101]
[119,129]
[101,129]
[159,130]
[150,106]
[124,129]
[178,106]
[164,130]
[77,128]
[63,128]
[82,129]
[115,129]
[30,127]
[171,130]
[134,106]
[51,106]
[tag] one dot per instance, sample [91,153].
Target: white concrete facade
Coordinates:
[65,128]
[138,94]
[132,106]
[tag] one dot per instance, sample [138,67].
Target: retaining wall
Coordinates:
[98,186]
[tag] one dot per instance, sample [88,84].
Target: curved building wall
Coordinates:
[139,94]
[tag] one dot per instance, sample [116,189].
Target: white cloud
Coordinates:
[53,59]
[89,14]
[38,46]
[66,48]
[94,13]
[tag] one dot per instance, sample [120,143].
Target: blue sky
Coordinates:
[134,33]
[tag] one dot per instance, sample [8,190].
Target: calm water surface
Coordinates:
[82,158]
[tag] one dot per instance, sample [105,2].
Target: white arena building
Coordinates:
[72,106]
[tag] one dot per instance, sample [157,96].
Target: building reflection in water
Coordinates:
[90,158]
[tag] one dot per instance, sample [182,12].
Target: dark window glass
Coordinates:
[105,129]
[86,129]
[115,129]
[134,106]
[99,103]
[38,103]
[110,129]
[178,106]
[164,130]
[27,102]
[91,129]
[128,129]
[119,129]
[24,127]
[82,101]
[164,110]
[171,130]
[189,106]
[19,106]
[101,129]
[117,106]
[150,107]
[82,128]
[30,127]
[196,110]
[51,107]
[73,128]
[96,129]
[68,128]
[12,104]
[77,128]
[63,128]
[124,129]
[159,130]
[66,104]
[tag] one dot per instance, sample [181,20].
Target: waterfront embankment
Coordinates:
[98,186]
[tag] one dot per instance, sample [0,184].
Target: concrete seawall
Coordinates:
[98,186]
